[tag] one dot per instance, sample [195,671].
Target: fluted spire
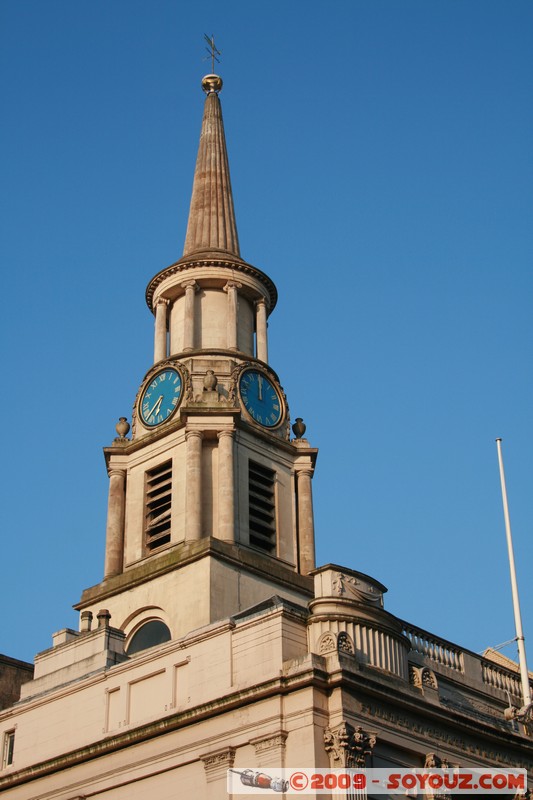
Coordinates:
[211,223]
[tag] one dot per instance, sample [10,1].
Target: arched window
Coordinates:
[151,633]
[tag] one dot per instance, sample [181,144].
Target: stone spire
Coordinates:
[211,223]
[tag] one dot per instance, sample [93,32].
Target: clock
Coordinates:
[161,397]
[261,398]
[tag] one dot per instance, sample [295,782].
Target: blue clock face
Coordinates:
[261,399]
[161,397]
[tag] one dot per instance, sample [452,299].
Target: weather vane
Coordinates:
[212,51]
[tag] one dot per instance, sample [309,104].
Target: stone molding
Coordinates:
[235,265]
[440,735]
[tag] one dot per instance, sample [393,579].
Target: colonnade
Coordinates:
[162,308]
[226,485]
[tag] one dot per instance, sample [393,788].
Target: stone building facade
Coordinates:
[213,640]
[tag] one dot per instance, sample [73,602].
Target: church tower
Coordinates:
[210,506]
[213,652]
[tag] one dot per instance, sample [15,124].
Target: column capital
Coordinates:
[304,471]
[272,741]
[229,433]
[261,301]
[348,746]
[162,301]
[217,764]
[193,432]
[232,285]
[116,472]
[190,284]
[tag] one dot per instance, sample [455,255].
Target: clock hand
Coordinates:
[155,408]
[259,387]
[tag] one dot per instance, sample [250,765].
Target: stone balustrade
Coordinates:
[472,667]
[438,650]
[500,678]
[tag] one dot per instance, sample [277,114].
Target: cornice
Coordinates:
[391,701]
[212,259]
[402,715]
[188,552]
[309,675]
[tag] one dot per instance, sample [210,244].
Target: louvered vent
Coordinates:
[262,507]
[158,506]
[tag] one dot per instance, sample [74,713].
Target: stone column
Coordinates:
[188,332]
[193,499]
[261,330]
[226,490]
[306,529]
[231,288]
[114,548]
[160,340]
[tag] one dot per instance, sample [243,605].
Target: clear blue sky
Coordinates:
[383,177]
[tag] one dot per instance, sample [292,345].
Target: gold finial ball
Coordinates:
[212,83]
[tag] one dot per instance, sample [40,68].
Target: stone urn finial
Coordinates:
[299,428]
[122,428]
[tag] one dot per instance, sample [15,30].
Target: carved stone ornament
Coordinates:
[217,764]
[350,587]
[210,381]
[299,428]
[122,428]
[266,744]
[344,643]
[348,746]
[423,677]
[327,643]
[433,761]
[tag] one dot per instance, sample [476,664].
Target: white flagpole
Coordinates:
[524,675]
